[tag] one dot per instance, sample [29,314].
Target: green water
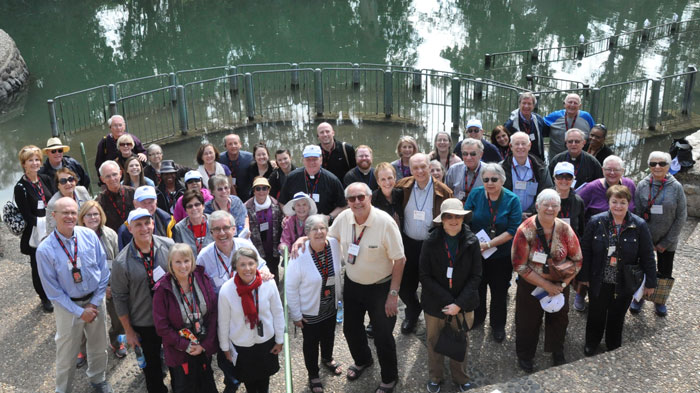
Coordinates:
[72,45]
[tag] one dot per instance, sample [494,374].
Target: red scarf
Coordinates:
[247,300]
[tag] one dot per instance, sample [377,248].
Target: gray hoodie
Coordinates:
[665,227]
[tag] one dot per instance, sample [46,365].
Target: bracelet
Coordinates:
[488,244]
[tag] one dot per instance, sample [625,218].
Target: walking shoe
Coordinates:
[463,387]
[636,306]
[558,358]
[47,305]
[499,335]
[579,303]
[661,310]
[369,331]
[102,387]
[433,387]
[527,365]
[119,352]
[80,362]
[408,326]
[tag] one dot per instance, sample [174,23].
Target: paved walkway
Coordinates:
[658,354]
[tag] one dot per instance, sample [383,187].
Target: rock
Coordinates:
[12,66]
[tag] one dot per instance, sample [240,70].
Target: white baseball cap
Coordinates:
[474,123]
[191,175]
[564,167]
[145,192]
[312,151]
[138,213]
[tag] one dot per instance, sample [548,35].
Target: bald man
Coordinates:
[338,157]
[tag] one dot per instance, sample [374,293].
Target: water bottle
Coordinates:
[339,315]
[140,358]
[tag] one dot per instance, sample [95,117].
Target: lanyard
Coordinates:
[615,234]
[38,188]
[74,259]
[525,123]
[494,212]
[229,272]
[468,189]
[427,194]
[517,175]
[122,213]
[565,213]
[326,156]
[198,241]
[311,185]
[546,245]
[651,185]
[147,261]
[450,259]
[355,240]
[566,123]
[233,168]
[194,313]
[228,205]
[323,262]
[297,226]
[576,166]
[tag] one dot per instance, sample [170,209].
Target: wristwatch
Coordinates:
[394,292]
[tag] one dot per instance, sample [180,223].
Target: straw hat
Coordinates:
[55,143]
[453,206]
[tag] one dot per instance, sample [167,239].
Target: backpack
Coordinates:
[683,151]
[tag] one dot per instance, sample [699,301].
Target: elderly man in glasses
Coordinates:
[474,130]
[586,167]
[57,159]
[465,176]
[565,119]
[107,147]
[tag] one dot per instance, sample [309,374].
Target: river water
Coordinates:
[77,44]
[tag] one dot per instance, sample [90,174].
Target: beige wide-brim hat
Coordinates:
[453,206]
[55,143]
[288,208]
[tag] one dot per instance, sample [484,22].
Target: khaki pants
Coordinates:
[69,334]
[436,361]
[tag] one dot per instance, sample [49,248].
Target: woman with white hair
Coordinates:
[661,202]
[546,255]
[593,193]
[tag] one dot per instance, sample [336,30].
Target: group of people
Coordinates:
[186,260]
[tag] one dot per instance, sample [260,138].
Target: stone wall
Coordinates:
[13,70]
[691,178]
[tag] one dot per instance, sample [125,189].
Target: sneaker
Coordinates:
[579,303]
[102,387]
[433,387]
[636,306]
[119,352]
[463,387]
[80,362]
[661,310]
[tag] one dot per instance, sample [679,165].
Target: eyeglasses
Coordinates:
[222,189]
[490,179]
[550,206]
[449,216]
[360,198]
[54,151]
[319,229]
[192,181]
[473,130]
[69,179]
[224,228]
[564,176]
[261,188]
[660,163]
[469,153]
[574,141]
[126,144]
[93,215]
[191,205]
[612,170]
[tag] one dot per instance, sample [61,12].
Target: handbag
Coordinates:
[662,291]
[452,343]
[13,218]
[38,232]
[632,276]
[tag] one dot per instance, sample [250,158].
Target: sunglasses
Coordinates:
[564,177]
[222,189]
[191,205]
[448,216]
[66,180]
[660,163]
[261,188]
[469,153]
[126,144]
[54,151]
[473,130]
[360,198]
[490,179]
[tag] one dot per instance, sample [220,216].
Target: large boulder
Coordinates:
[691,178]
[13,70]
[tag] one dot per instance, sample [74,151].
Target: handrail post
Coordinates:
[113,108]
[417,82]
[388,93]
[478,89]
[52,118]
[687,104]
[612,42]
[182,109]
[173,88]
[318,89]
[487,61]
[232,80]
[456,95]
[536,109]
[530,82]
[249,97]
[295,76]
[654,104]
[595,101]
[581,50]
[85,164]
[112,89]
[534,55]
[355,75]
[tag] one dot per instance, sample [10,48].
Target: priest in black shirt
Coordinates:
[586,167]
[363,172]
[338,157]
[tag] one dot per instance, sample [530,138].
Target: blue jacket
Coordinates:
[508,217]
[636,247]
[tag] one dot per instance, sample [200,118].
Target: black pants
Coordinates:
[226,367]
[150,344]
[36,281]
[409,281]
[370,299]
[664,263]
[606,313]
[528,319]
[496,273]
[258,386]
[198,378]
[318,334]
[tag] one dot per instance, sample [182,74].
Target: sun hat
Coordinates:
[55,143]
[453,206]
[289,206]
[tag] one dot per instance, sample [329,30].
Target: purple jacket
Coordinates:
[288,236]
[593,195]
[168,318]
[179,212]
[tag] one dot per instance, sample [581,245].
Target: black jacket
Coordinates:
[466,274]
[538,168]
[70,163]
[574,209]
[636,247]
[27,200]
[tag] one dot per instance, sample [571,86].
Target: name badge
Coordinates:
[316,197]
[331,281]
[449,272]
[264,226]
[460,195]
[354,249]
[233,181]
[40,205]
[77,275]
[657,209]
[520,185]
[539,257]
[567,220]
[532,137]
[158,273]
[611,250]
[78,264]
[419,215]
